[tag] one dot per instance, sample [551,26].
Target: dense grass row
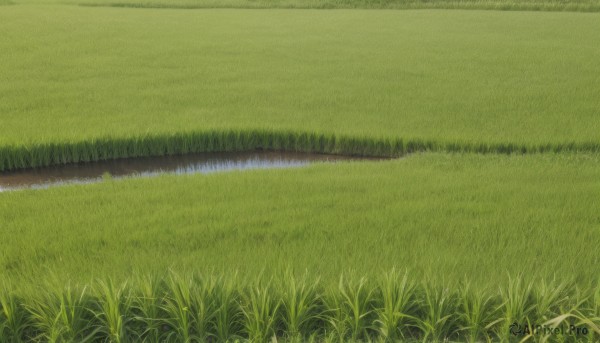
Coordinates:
[234,140]
[389,308]
[532,5]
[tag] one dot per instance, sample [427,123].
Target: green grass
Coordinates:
[449,217]
[40,155]
[201,308]
[75,75]
[510,234]
[513,5]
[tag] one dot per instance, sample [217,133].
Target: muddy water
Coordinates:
[149,166]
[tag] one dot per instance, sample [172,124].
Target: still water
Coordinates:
[151,166]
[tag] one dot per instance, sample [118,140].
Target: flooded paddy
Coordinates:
[151,166]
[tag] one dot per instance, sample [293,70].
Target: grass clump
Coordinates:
[14,320]
[301,306]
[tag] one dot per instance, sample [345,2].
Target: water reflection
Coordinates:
[151,166]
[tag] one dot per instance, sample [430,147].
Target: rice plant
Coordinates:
[301,306]
[260,306]
[336,319]
[195,308]
[179,308]
[205,307]
[228,322]
[476,308]
[148,317]
[113,311]
[14,320]
[352,309]
[396,312]
[585,311]
[63,316]
[550,298]
[517,304]
[438,308]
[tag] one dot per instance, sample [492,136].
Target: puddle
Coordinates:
[151,166]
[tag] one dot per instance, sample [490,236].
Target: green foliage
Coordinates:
[353,311]
[301,306]
[127,83]
[476,307]
[393,314]
[380,83]
[113,310]
[14,321]
[260,306]
[233,140]
[517,305]
[212,141]
[180,308]
[356,300]
[63,316]
[228,315]
[438,320]
[445,215]
[147,307]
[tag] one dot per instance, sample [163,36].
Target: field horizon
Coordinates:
[497,5]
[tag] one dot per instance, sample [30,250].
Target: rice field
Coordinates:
[482,226]
[90,82]
[441,216]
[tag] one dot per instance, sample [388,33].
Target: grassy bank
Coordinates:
[72,76]
[41,155]
[390,308]
[449,217]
